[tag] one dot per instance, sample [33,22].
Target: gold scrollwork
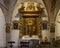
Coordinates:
[30,6]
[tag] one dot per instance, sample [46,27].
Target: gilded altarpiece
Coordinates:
[30,26]
[30,20]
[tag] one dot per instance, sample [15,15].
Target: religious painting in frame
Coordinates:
[15,25]
[44,26]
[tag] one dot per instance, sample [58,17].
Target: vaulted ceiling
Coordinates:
[52,7]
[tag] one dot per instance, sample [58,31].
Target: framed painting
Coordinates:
[44,26]
[15,25]
[52,29]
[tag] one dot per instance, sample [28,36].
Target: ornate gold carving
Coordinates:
[31,9]
[30,6]
[30,19]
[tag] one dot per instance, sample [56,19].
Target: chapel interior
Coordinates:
[29,23]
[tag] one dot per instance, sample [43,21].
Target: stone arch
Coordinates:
[57,27]
[2,30]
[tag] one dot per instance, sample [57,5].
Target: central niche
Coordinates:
[30,26]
